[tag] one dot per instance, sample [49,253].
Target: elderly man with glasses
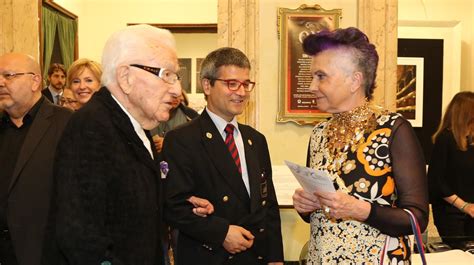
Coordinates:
[30,128]
[109,208]
[228,163]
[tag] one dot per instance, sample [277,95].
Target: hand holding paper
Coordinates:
[310,179]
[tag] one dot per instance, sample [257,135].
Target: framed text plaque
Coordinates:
[296,102]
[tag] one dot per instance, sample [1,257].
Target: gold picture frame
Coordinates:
[296,103]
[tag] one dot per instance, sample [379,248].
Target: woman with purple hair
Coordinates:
[372,156]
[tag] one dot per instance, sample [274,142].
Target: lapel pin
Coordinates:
[249,141]
[209,135]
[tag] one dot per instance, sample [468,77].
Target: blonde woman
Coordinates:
[451,177]
[83,77]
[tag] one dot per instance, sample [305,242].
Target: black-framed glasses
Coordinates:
[234,84]
[166,75]
[64,100]
[10,76]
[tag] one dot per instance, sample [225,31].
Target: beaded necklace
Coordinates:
[345,131]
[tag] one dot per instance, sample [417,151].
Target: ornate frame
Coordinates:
[296,103]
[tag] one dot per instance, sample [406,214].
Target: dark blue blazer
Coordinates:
[201,165]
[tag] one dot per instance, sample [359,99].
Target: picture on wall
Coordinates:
[296,103]
[185,74]
[409,100]
[198,72]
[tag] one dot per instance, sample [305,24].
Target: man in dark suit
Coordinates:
[109,206]
[230,169]
[30,128]
[56,81]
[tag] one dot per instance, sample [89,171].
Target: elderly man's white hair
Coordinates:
[133,44]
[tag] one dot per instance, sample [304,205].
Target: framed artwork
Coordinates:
[185,74]
[409,101]
[296,103]
[198,72]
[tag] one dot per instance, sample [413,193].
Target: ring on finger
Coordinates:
[327,210]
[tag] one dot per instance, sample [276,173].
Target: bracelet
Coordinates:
[455,199]
[464,206]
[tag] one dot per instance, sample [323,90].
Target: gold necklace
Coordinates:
[345,131]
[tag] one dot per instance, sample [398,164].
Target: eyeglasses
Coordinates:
[234,85]
[10,76]
[166,75]
[64,100]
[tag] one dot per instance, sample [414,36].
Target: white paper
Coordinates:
[310,179]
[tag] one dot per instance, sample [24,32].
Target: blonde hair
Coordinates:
[78,67]
[459,119]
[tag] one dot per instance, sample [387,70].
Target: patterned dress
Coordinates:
[364,172]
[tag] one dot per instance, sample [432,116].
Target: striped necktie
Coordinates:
[230,142]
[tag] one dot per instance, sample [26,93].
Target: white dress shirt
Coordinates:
[221,124]
[138,129]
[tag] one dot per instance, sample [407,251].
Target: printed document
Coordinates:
[310,179]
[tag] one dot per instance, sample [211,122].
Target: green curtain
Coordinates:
[52,22]
[67,29]
[48,26]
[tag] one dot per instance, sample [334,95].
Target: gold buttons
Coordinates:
[259,257]
[261,230]
[249,141]
[225,198]
[264,203]
[209,135]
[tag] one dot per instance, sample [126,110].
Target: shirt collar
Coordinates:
[135,123]
[54,93]
[221,123]
[28,118]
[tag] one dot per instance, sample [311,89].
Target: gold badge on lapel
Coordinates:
[209,135]
[249,141]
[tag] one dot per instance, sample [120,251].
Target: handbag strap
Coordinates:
[417,233]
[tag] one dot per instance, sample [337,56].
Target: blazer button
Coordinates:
[264,202]
[259,257]
[261,230]
[225,198]
[231,257]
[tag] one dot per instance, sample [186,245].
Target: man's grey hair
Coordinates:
[222,57]
[133,44]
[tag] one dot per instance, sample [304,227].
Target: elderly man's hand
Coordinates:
[202,207]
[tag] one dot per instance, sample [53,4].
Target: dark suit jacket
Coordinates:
[201,165]
[108,189]
[47,94]
[32,181]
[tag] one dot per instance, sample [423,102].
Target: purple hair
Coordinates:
[364,54]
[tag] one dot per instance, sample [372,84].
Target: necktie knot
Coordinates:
[229,129]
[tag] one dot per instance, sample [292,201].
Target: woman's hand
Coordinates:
[339,205]
[305,202]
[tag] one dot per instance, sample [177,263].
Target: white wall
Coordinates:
[443,10]
[99,18]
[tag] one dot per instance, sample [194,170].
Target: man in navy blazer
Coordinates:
[245,225]
[30,128]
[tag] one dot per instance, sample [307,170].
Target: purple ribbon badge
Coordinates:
[164,169]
